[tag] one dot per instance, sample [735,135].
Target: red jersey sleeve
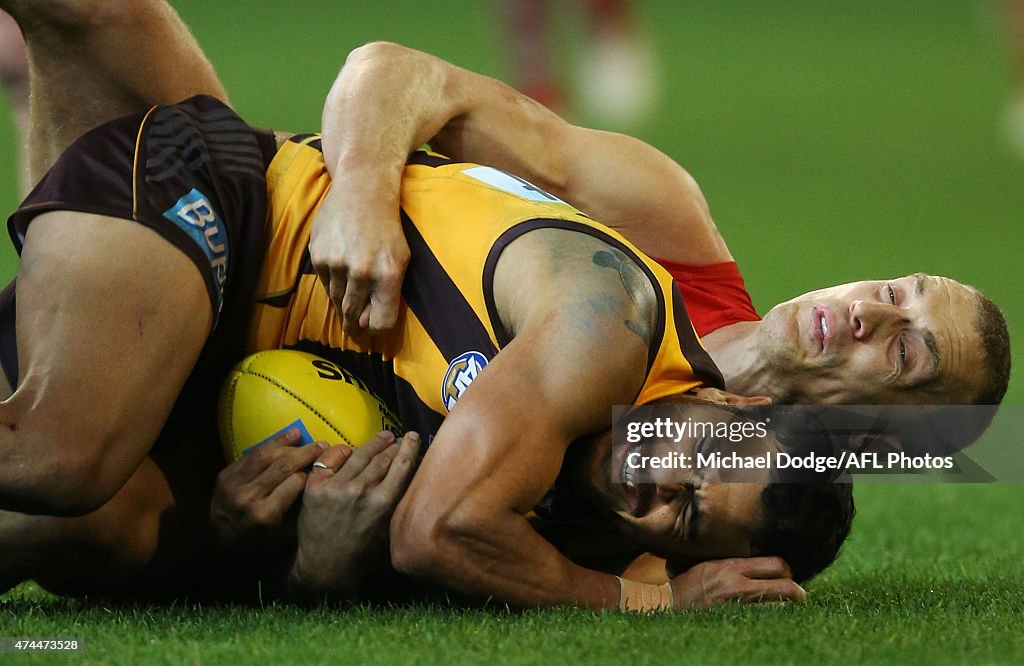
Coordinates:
[714,294]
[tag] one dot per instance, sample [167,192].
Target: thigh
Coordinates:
[110,321]
[92,61]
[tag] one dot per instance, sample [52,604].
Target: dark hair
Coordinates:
[805,524]
[806,514]
[995,351]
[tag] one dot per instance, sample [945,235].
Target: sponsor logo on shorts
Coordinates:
[461,372]
[194,214]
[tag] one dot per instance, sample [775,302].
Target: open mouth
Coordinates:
[637,493]
[629,474]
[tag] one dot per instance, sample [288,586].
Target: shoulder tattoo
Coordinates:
[637,287]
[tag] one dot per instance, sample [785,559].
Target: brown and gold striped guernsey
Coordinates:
[457,218]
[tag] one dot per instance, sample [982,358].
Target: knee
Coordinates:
[71,497]
[57,484]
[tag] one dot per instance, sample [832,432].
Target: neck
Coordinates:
[734,349]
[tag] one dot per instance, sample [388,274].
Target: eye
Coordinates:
[903,352]
[686,527]
[892,294]
[682,519]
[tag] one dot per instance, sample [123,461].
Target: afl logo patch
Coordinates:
[461,372]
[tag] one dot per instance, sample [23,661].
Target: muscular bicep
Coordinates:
[580,346]
[616,179]
[389,99]
[643,194]
[582,318]
[502,447]
[110,321]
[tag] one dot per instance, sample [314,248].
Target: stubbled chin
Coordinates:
[822,388]
[779,337]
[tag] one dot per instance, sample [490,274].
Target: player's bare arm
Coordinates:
[462,523]
[389,99]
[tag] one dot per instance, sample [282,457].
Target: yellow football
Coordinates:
[272,391]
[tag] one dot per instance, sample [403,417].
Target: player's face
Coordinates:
[685,512]
[901,341]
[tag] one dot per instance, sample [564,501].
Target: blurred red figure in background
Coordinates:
[616,77]
[1014,119]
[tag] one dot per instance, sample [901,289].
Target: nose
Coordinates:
[867,317]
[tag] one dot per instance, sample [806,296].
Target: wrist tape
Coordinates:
[643,597]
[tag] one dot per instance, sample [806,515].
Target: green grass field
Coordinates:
[834,141]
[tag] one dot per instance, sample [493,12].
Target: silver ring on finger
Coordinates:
[321,465]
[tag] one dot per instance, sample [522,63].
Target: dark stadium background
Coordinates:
[834,141]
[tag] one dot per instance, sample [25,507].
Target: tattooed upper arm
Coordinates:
[594,288]
[587,308]
[637,287]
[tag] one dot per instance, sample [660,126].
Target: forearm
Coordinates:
[504,559]
[385,103]
[389,100]
[462,523]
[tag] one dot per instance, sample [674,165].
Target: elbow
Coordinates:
[417,541]
[366,68]
[71,500]
[419,558]
[66,488]
[434,544]
[376,51]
